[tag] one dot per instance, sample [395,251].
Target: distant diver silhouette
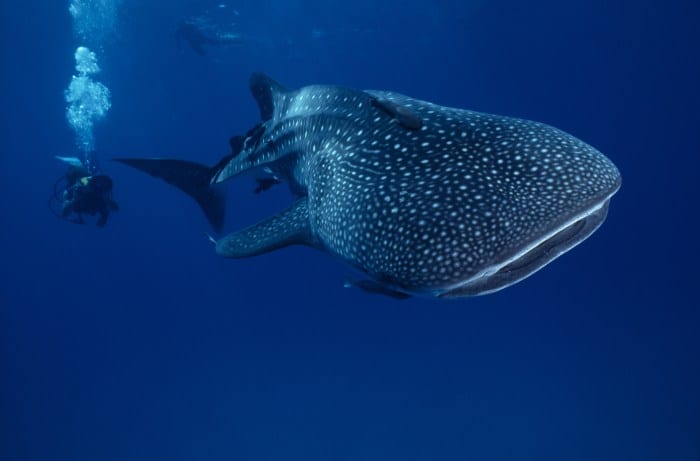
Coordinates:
[197,34]
[80,192]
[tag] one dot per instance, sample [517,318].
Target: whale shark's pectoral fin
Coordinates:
[373,287]
[290,227]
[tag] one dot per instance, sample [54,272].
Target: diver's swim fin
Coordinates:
[190,177]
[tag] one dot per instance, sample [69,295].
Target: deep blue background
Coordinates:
[137,342]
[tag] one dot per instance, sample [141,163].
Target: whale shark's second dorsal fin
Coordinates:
[267,92]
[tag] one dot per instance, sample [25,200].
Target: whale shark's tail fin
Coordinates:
[192,178]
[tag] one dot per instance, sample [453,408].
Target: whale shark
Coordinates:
[420,199]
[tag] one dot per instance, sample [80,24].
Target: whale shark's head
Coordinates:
[446,202]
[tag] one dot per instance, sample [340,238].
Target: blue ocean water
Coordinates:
[137,342]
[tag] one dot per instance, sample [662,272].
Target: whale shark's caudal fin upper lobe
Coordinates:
[192,178]
[195,179]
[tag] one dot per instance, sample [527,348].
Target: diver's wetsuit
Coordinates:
[90,195]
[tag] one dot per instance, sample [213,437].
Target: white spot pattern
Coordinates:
[425,209]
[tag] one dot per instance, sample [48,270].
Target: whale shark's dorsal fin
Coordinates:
[266,92]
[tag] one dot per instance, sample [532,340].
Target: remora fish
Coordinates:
[423,199]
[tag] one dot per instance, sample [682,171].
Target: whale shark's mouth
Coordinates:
[534,256]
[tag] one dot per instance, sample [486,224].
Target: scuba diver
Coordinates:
[80,192]
[198,33]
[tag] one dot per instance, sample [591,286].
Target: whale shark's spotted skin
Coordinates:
[424,199]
